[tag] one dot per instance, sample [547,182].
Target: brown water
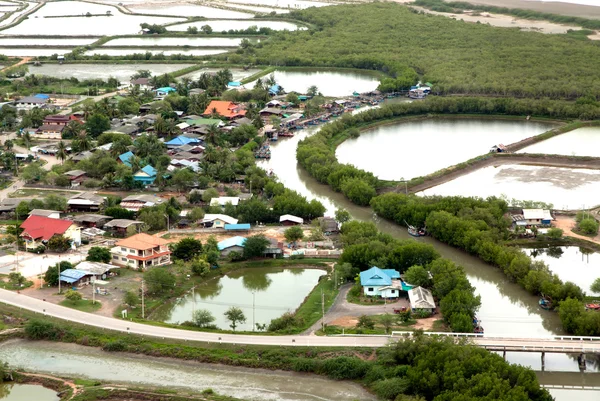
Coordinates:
[26,392]
[506,309]
[263,294]
[248,384]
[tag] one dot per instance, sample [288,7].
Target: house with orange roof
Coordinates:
[225,109]
[141,251]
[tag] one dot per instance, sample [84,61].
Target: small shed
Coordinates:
[290,220]
[421,299]
[75,277]
[233,244]
[237,227]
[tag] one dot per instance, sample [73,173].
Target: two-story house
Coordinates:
[37,230]
[140,251]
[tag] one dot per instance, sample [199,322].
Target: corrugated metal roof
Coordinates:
[376,276]
[72,275]
[233,241]
[244,226]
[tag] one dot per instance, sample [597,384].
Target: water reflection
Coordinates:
[262,294]
[26,392]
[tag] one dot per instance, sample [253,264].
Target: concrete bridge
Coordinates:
[576,345]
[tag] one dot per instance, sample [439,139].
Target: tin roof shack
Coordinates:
[119,227]
[99,271]
[233,244]
[92,220]
[421,299]
[537,217]
[275,248]
[290,220]
[85,202]
[52,214]
[217,220]
[135,202]
[329,225]
[75,277]
[76,177]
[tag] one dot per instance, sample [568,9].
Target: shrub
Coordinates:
[589,226]
[305,365]
[389,389]
[555,233]
[344,368]
[92,183]
[286,321]
[115,346]
[38,330]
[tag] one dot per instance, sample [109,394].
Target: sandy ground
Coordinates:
[351,321]
[567,224]
[506,21]
[576,10]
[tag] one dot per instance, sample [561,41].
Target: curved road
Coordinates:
[557,344]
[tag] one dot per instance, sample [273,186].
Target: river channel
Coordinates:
[244,383]
[506,309]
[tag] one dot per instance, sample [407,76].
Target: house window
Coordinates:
[115,257]
[393,291]
[124,249]
[124,259]
[370,289]
[149,263]
[132,251]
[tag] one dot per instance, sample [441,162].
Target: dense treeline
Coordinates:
[478,227]
[317,153]
[416,369]
[457,57]
[365,246]
[458,6]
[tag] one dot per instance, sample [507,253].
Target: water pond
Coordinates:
[125,52]
[150,41]
[226,25]
[417,148]
[297,4]
[580,142]
[273,292]
[329,82]
[565,188]
[122,72]
[570,263]
[245,384]
[187,10]
[46,42]
[116,24]
[257,9]
[26,392]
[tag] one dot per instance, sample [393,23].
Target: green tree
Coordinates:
[342,216]
[387,321]
[59,243]
[570,311]
[255,246]
[73,296]
[183,179]
[203,318]
[595,287]
[16,279]
[365,321]
[209,194]
[72,130]
[82,142]
[418,276]
[293,234]
[187,248]
[200,266]
[159,281]
[589,226]
[62,152]
[131,298]
[555,233]
[97,124]
[206,29]
[235,315]
[129,106]
[51,276]
[98,254]
[55,202]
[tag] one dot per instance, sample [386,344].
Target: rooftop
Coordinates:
[43,212]
[39,227]
[233,241]
[378,277]
[142,241]
[122,223]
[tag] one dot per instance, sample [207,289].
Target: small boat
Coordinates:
[545,303]
[416,232]
[478,330]
[593,306]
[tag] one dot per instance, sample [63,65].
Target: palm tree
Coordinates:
[118,148]
[62,152]
[136,163]
[82,142]
[212,135]
[8,144]
[72,129]
[26,139]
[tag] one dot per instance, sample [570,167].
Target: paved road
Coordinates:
[513,344]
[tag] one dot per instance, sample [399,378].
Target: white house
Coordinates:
[290,220]
[140,251]
[537,217]
[421,299]
[384,283]
[224,200]
[217,220]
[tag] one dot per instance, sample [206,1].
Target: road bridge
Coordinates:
[580,345]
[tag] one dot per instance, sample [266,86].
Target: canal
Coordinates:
[506,309]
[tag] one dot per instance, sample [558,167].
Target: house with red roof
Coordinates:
[225,109]
[37,230]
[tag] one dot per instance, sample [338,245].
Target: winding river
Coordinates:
[506,309]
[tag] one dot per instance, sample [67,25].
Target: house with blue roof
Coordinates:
[233,244]
[274,90]
[145,175]
[237,227]
[124,158]
[182,140]
[384,283]
[75,277]
[164,91]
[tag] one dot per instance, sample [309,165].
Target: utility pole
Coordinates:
[193,301]
[94,291]
[323,311]
[253,308]
[143,310]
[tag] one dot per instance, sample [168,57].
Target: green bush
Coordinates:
[344,368]
[305,365]
[389,389]
[589,226]
[115,346]
[40,330]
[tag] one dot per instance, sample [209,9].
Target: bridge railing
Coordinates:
[437,333]
[575,338]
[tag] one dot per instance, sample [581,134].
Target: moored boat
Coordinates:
[545,303]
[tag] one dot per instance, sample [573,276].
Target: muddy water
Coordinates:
[122,72]
[247,384]
[408,150]
[26,392]
[506,310]
[263,294]
[580,142]
[565,188]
